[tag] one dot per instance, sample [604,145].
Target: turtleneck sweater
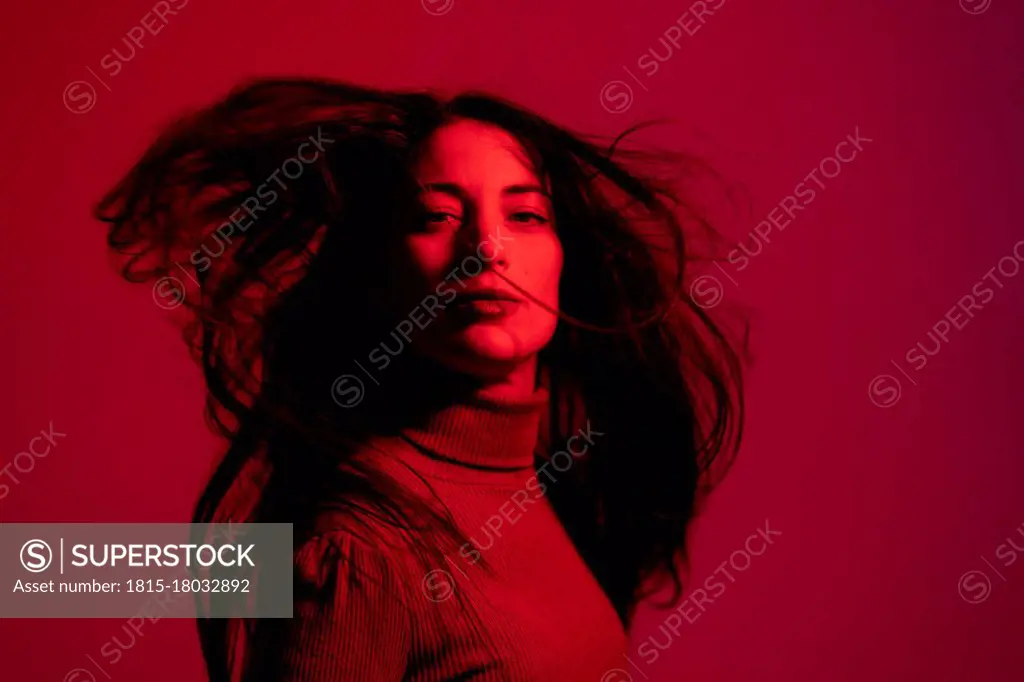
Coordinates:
[514,603]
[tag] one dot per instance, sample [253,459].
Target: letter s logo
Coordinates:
[36,556]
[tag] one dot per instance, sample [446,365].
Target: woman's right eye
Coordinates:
[442,219]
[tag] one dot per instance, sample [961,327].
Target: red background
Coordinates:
[881,510]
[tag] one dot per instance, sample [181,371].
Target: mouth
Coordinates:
[485,304]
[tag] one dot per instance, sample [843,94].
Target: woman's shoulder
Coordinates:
[351,528]
[351,552]
[380,520]
[369,526]
[352,605]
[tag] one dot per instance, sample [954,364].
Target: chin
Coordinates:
[493,343]
[486,350]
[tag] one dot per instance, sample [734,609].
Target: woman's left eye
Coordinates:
[528,218]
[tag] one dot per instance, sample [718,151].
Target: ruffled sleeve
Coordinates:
[350,621]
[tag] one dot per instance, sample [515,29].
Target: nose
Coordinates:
[485,244]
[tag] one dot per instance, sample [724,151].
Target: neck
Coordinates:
[418,387]
[494,425]
[518,384]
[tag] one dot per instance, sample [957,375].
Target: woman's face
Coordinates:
[487,217]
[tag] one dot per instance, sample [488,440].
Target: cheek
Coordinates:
[429,255]
[543,268]
[412,268]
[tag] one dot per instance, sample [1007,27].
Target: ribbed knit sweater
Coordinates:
[516,604]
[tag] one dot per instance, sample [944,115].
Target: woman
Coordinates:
[451,345]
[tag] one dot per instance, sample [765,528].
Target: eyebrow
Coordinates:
[525,189]
[455,190]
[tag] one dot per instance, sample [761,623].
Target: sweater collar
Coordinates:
[482,432]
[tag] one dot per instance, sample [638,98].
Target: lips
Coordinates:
[485,304]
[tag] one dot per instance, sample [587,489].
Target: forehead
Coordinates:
[474,154]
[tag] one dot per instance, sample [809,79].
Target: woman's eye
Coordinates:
[442,218]
[528,218]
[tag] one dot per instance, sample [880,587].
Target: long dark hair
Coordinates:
[277,315]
